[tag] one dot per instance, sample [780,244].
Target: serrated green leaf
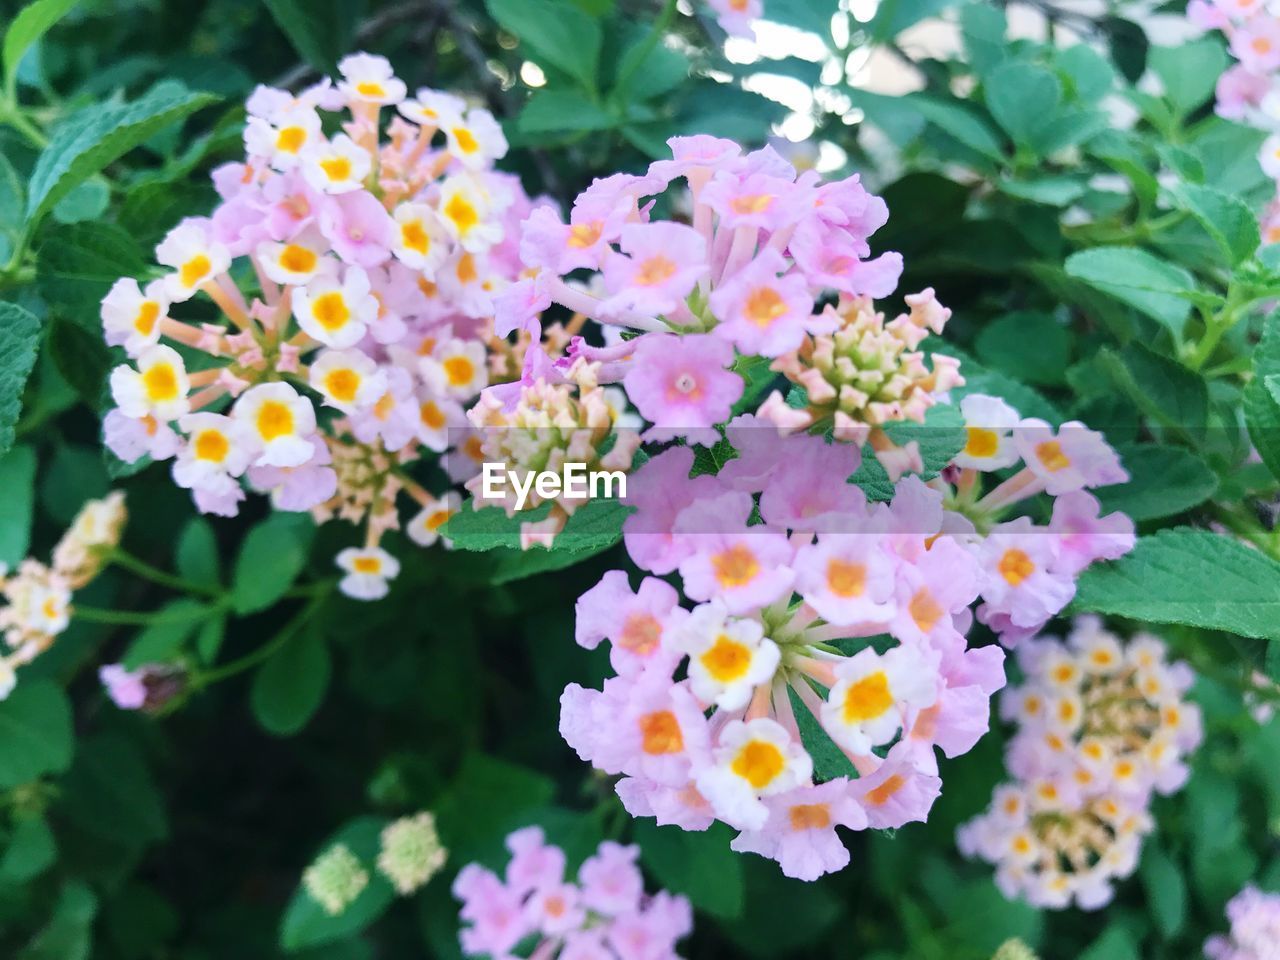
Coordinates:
[1189,71]
[829,761]
[18,481]
[77,264]
[1163,389]
[270,560]
[594,526]
[960,122]
[35,733]
[1163,482]
[196,556]
[69,934]
[1261,408]
[1137,278]
[557,110]
[290,686]
[1227,219]
[19,339]
[1028,345]
[1023,98]
[940,438]
[320,30]
[1166,890]
[487,799]
[1190,577]
[110,792]
[91,139]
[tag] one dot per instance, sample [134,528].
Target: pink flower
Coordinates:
[746,567]
[847,578]
[611,881]
[359,228]
[735,16]
[126,688]
[833,258]
[800,832]
[811,491]
[519,306]
[1021,577]
[896,794]
[634,623]
[1240,89]
[663,263]
[1256,44]
[756,200]
[534,864]
[762,313]
[682,806]
[1075,458]
[681,384]
[659,491]
[1085,535]
[132,438]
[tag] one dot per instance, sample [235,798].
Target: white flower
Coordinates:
[866,706]
[217,447]
[337,166]
[753,759]
[278,423]
[368,571]
[433,109]
[131,318]
[368,79]
[989,423]
[158,387]
[476,141]
[336,314]
[421,241]
[424,528]
[348,379]
[283,139]
[728,657]
[456,368]
[467,210]
[295,263]
[196,257]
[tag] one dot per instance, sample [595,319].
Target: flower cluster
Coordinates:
[1103,726]
[1250,89]
[38,596]
[1255,928]
[349,283]
[821,620]
[605,915]
[409,855]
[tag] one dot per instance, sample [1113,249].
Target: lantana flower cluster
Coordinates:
[824,660]
[532,910]
[1255,928]
[1103,726]
[409,855]
[1249,90]
[326,325]
[37,596]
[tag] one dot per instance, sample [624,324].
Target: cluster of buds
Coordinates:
[538,425]
[354,279]
[813,608]
[866,373]
[1255,928]
[409,855]
[605,915]
[38,596]
[1249,90]
[1103,727]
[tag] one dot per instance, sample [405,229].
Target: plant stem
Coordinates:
[136,618]
[264,652]
[145,570]
[659,27]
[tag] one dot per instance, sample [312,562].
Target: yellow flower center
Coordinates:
[810,816]
[660,733]
[459,370]
[1051,456]
[924,610]
[331,311]
[414,237]
[1015,566]
[751,203]
[432,416]
[583,235]
[655,270]
[145,321]
[438,519]
[371,565]
[161,383]
[726,660]
[336,169]
[342,384]
[982,442]
[846,579]
[759,763]
[640,634]
[465,140]
[463,214]
[885,792]
[275,419]
[194,270]
[764,306]
[290,139]
[368,88]
[212,445]
[466,270]
[868,698]
[736,566]
[298,259]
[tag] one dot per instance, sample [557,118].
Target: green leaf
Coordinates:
[82,358]
[110,792]
[829,761]
[1166,890]
[555,110]
[940,437]
[812,15]
[1137,278]
[77,265]
[1053,191]
[320,30]
[1163,482]
[69,934]
[660,71]
[1227,219]
[163,639]
[1088,70]
[18,481]
[30,852]
[488,798]
[1161,388]
[960,122]
[12,201]
[210,636]
[894,16]
[19,338]
[92,139]
[1116,943]
[699,865]
[983,27]
[556,31]
[35,733]
[1189,71]
[1261,409]
[270,560]
[290,686]
[88,201]
[32,22]
[1023,98]
[196,555]
[1129,46]
[594,526]
[1190,577]
[1027,345]
[306,924]
[979,379]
